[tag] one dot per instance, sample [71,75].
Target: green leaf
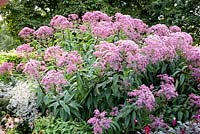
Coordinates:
[65,107]
[182,78]
[180,115]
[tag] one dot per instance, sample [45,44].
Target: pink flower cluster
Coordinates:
[72,17]
[53,53]
[157,122]
[70,60]
[159,29]
[26,33]
[24,48]
[195,100]
[54,79]
[43,32]
[61,22]
[95,16]
[145,97]
[99,122]
[32,68]
[103,29]
[6,67]
[133,28]
[167,87]
[108,54]
[114,111]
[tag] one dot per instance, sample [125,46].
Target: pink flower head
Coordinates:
[195,100]
[20,67]
[83,28]
[71,60]
[60,22]
[99,122]
[158,122]
[72,17]
[24,48]
[147,129]
[53,79]
[159,29]
[133,28]
[44,32]
[145,97]
[103,29]
[174,122]
[52,53]
[31,68]
[114,111]
[26,32]
[174,29]
[167,87]
[6,67]
[95,16]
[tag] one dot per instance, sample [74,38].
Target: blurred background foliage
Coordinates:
[34,13]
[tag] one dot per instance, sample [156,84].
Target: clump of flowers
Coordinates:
[114,111]
[133,28]
[99,122]
[159,29]
[70,60]
[195,100]
[95,16]
[24,48]
[158,122]
[6,67]
[167,87]
[43,32]
[32,68]
[26,33]
[145,97]
[54,79]
[60,22]
[175,29]
[53,53]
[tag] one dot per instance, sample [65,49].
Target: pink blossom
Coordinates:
[103,29]
[114,111]
[158,122]
[99,122]
[53,53]
[167,87]
[6,67]
[60,22]
[72,17]
[44,32]
[10,123]
[175,29]
[71,60]
[133,28]
[24,48]
[159,29]
[32,68]
[195,100]
[95,16]
[26,32]
[83,28]
[53,79]
[145,98]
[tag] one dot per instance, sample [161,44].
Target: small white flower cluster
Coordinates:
[23,101]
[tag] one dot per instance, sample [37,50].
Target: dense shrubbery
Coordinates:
[115,72]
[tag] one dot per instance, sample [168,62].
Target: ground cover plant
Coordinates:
[114,72]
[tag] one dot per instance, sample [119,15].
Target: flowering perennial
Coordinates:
[195,99]
[32,68]
[157,122]
[60,22]
[167,87]
[44,32]
[26,32]
[99,122]
[24,48]
[145,98]
[54,79]
[6,67]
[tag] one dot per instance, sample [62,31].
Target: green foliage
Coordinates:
[50,125]
[9,57]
